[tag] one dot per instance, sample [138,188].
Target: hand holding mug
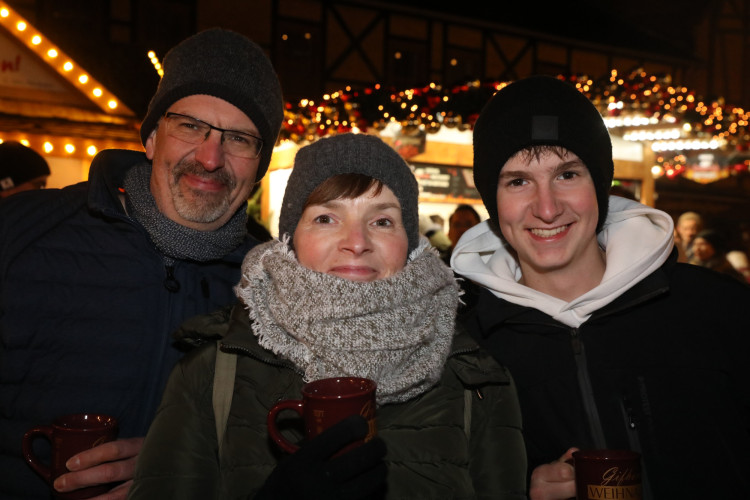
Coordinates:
[69,435]
[103,464]
[554,481]
[324,403]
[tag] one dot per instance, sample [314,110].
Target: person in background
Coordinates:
[710,251]
[21,169]
[688,225]
[463,217]
[432,227]
[95,277]
[740,262]
[351,289]
[611,342]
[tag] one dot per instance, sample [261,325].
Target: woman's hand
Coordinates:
[555,481]
[112,462]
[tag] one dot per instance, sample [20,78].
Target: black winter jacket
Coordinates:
[664,369]
[87,308]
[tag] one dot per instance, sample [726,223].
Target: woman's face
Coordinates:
[702,249]
[359,239]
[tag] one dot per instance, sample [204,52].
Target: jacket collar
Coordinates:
[106,177]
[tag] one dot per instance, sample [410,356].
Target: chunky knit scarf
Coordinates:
[397,331]
[175,240]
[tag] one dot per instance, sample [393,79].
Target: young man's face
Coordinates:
[200,185]
[547,211]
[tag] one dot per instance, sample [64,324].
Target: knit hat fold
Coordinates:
[227,65]
[541,110]
[350,154]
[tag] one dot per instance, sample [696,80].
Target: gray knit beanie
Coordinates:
[227,65]
[350,154]
[541,110]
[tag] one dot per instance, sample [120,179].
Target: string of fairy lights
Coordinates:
[669,118]
[65,66]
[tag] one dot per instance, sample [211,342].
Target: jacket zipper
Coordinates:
[587,391]
[269,361]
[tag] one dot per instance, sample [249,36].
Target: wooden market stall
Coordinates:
[52,105]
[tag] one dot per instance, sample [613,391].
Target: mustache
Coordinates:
[220,175]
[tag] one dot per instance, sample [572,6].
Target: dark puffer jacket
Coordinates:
[87,309]
[429,454]
[664,369]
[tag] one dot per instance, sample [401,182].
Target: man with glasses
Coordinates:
[95,277]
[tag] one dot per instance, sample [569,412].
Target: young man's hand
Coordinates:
[112,462]
[555,481]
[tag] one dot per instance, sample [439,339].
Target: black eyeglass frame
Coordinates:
[170,114]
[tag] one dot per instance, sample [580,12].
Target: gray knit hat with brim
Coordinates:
[227,65]
[541,110]
[350,154]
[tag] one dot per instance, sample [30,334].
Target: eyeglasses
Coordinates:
[194,131]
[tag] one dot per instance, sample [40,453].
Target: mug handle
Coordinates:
[281,441]
[28,452]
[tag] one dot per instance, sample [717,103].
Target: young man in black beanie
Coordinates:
[612,343]
[95,277]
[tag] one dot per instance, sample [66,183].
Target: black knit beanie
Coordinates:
[227,65]
[19,164]
[541,110]
[350,154]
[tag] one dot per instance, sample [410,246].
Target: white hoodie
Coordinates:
[637,240]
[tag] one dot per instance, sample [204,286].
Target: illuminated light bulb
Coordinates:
[48,147]
[97,92]
[657,171]
[151,54]
[4,13]
[91,150]
[21,26]
[69,148]
[83,78]
[68,66]
[52,53]
[112,104]
[36,40]
[25,142]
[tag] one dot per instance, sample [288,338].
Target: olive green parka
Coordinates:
[459,440]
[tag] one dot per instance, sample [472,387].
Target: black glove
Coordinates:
[309,474]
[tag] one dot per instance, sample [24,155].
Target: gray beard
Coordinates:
[197,206]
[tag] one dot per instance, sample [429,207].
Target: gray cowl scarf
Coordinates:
[397,331]
[172,239]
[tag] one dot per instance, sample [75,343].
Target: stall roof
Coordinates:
[51,103]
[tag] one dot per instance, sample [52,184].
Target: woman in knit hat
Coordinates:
[349,289]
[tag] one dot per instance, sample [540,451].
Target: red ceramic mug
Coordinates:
[69,435]
[605,474]
[324,403]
